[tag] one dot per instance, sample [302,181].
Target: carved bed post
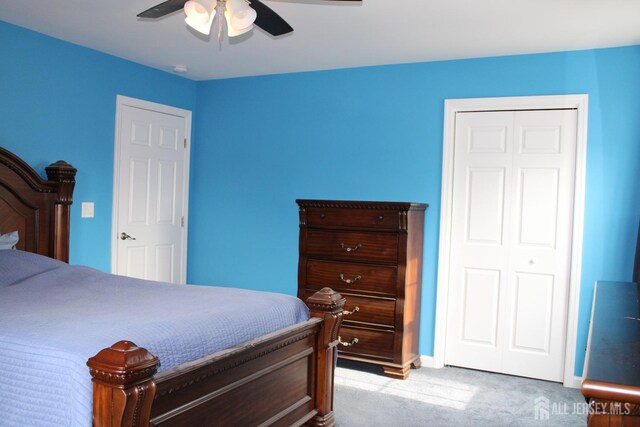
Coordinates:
[123,387]
[63,174]
[328,305]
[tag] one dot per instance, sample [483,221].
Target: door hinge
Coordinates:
[185,143]
[182,222]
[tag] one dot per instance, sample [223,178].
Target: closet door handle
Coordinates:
[350,281]
[348,249]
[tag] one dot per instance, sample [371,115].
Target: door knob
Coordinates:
[125,236]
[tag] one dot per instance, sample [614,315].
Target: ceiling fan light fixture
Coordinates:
[233,31]
[243,19]
[196,12]
[242,15]
[198,17]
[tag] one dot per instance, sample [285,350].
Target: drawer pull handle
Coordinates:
[353,249]
[348,313]
[350,281]
[379,218]
[348,344]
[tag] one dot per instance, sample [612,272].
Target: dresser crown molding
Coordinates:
[349,204]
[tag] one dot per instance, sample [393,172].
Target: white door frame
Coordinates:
[453,106]
[121,102]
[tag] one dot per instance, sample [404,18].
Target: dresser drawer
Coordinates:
[351,277]
[370,342]
[353,246]
[379,219]
[377,311]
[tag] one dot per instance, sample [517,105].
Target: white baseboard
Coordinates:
[575,383]
[427,361]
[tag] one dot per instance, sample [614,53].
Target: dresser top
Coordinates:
[614,356]
[354,204]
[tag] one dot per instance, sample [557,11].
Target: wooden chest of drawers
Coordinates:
[370,252]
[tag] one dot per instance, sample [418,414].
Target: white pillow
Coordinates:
[9,240]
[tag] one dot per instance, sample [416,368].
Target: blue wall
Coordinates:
[376,134]
[369,133]
[58,101]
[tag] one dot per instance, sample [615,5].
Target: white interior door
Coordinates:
[150,192]
[511,241]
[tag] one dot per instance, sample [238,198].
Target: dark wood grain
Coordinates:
[39,209]
[123,378]
[373,279]
[612,379]
[373,311]
[353,246]
[381,274]
[614,347]
[272,373]
[380,219]
[636,264]
[373,343]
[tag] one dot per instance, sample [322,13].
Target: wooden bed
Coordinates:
[283,378]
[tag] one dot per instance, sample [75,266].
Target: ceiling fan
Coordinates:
[264,17]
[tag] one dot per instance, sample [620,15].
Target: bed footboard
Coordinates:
[283,378]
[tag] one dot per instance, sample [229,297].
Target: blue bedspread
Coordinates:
[53,317]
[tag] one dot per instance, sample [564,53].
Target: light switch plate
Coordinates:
[87,209]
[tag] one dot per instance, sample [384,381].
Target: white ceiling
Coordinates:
[334,34]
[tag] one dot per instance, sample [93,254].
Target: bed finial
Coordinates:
[64,174]
[123,387]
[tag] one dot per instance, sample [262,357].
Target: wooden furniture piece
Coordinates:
[612,381]
[38,209]
[636,264]
[372,253]
[281,379]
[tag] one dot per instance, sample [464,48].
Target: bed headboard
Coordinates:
[37,208]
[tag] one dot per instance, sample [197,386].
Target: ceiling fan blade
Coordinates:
[162,9]
[268,20]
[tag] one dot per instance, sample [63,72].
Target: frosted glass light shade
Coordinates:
[243,19]
[198,17]
[231,30]
[196,12]
[242,15]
